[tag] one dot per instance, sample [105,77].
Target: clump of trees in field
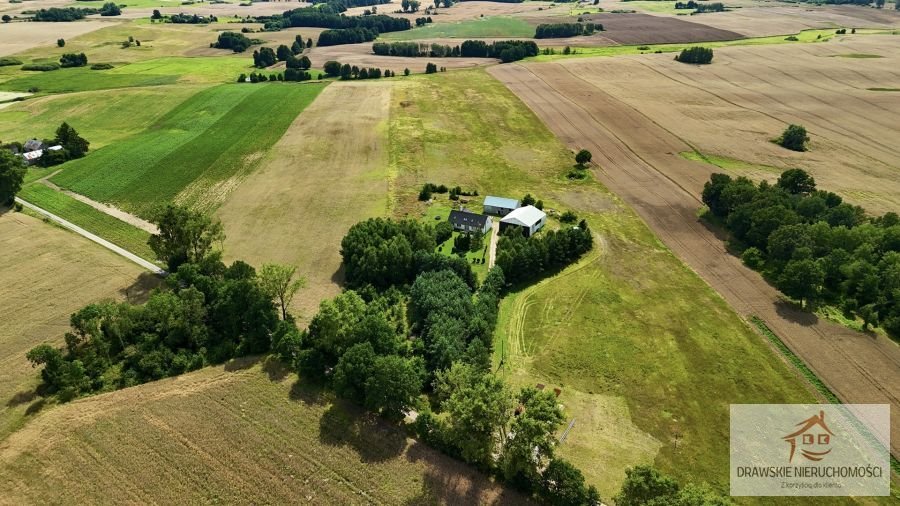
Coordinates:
[328,15]
[347,72]
[12,174]
[73,60]
[237,42]
[423,21]
[186,19]
[813,246]
[346,36]
[62,14]
[794,138]
[563,30]
[527,259]
[701,7]
[207,313]
[110,9]
[506,51]
[410,5]
[698,55]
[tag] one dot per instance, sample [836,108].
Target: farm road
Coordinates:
[99,240]
[639,161]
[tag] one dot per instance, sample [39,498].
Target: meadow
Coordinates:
[195,154]
[646,374]
[492,26]
[99,116]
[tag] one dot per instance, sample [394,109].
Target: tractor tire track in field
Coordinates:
[638,164]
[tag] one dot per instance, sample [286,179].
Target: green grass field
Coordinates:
[100,117]
[195,153]
[806,36]
[96,222]
[648,357]
[729,164]
[493,26]
[152,72]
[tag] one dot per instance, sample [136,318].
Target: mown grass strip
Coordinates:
[805,371]
[795,360]
[96,222]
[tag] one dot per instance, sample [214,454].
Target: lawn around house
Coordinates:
[647,356]
[196,153]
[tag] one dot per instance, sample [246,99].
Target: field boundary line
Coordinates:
[150,266]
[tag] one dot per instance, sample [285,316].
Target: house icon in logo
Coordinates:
[813,438]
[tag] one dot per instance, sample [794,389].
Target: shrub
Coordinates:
[73,60]
[794,138]
[237,42]
[101,66]
[61,42]
[568,217]
[110,9]
[41,67]
[430,68]
[7,60]
[753,258]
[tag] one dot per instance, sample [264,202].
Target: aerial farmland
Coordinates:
[448,252]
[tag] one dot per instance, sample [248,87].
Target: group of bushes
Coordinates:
[527,259]
[701,7]
[697,54]
[73,60]
[110,9]
[813,246]
[563,30]
[189,19]
[423,21]
[65,61]
[237,42]
[505,50]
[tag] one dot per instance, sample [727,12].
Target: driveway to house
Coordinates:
[495,236]
[99,240]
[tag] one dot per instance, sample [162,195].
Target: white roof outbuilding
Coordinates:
[526,216]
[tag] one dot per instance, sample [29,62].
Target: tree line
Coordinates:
[813,246]
[346,36]
[184,19]
[526,259]
[347,72]
[323,17]
[506,51]
[63,14]
[562,30]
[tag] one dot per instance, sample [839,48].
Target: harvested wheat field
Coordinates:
[18,37]
[751,94]
[47,274]
[641,29]
[639,160]
[770,18]
[327,172]
[244,433]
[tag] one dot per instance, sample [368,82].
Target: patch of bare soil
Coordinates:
[639,161]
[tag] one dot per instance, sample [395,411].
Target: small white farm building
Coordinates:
[499,205]
[464,221]
[529,218]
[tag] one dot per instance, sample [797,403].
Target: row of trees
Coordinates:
[287,75]
[207,313]
[811,245]
[562,30]
[505,50]
[190,19]
[321,18]
[528,259]
[347,72]
[346,36]
[63,14]
[696,54]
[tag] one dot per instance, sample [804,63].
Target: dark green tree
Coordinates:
[74,145]
[394,384]
[802,280]
[794,138]
[583,157]
[12,174]
[797,182]
[184,236]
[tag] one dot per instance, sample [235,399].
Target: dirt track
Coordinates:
[639,161]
